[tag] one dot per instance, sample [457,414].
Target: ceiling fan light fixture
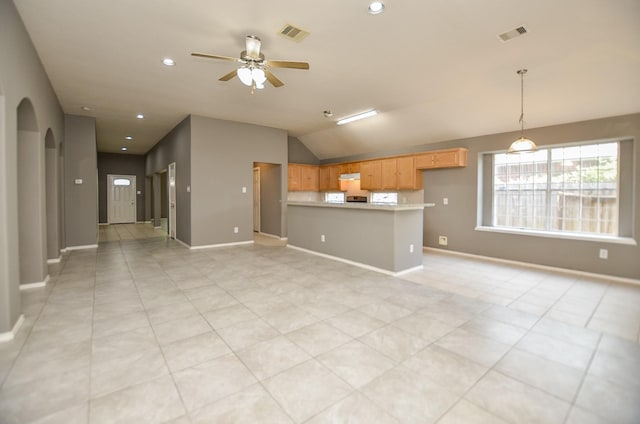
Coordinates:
[376,7]
[244,74]
[253,46]
[258,76]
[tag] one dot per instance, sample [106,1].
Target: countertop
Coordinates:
[366,206]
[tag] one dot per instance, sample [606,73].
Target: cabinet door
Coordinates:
[310,176]
[354,167]
[370,175]
[452,158]
[294,177]
[409,178]
[324,178]
[334,177]
[425,161]
[389,173]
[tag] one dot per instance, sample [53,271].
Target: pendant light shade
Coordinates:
[523,144]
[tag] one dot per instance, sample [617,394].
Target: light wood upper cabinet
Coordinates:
[400,173]
[349,168]
[409,178]
[451,158]
[389,173]
[303,177]
[294,177]
[371,175]
[329,177]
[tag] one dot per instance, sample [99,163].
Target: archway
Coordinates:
[51,195]
[31,199]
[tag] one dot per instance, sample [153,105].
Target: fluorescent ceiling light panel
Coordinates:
[357,117]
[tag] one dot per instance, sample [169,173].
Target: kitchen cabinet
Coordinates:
[451,158]
[329,178]
[303,177]
[400,174]
[349,168]
[371,175]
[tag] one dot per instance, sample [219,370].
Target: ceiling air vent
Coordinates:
[293,33]
[510,35]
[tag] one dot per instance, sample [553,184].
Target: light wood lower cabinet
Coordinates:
[451,158]
[303,177]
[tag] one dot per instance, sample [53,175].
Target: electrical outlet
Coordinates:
[445,201]
[322,239]
[411,248]
[604,254]
[244,189]
[235,230]
[442,240]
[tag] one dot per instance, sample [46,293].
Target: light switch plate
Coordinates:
[78,181]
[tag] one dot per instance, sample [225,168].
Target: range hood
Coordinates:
[352,176]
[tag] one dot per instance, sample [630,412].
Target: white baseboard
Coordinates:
[273,236]
[209,246]
[536,266]
[102,224]
[36,285]
[358,264]
[7,336]
[87,246]
[54,260]
[181,242]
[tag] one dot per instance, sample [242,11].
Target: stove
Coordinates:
[357,199]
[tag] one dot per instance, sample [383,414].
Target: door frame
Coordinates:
[110,178]
[257,217]
[171,194]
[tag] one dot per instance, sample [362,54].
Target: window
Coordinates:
[334,197]
[384,198]
[121,182]
[569,189]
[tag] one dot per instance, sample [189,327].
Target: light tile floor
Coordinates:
[142,330]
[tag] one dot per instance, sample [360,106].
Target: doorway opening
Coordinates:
[267,199]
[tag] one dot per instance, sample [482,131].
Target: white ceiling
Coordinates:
[434,69]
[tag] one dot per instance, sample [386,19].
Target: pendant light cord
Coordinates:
[522,72]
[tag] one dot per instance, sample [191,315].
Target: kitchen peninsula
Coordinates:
[387,238]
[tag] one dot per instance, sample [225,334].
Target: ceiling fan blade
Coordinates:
[214,56]
[228,76]
[287,64]
[273,79]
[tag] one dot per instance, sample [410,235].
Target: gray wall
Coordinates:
[21,76]
[457,221]
[81,162]
[299,153]
[379,238]
[121,164]
[222,157]
[174,147]
[270,198]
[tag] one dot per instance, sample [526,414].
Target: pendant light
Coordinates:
[523,144]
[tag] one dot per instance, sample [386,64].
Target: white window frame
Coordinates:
[484,217]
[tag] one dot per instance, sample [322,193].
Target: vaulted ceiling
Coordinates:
[435,70]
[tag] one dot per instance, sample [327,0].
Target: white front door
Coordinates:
[171,180]
[121,199]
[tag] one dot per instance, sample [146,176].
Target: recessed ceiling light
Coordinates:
[357,117]
[167,61]
[85,108]
[376,7]
[124,149]
[129,137]
[140,116]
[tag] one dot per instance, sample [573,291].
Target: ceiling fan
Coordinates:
[254,69]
